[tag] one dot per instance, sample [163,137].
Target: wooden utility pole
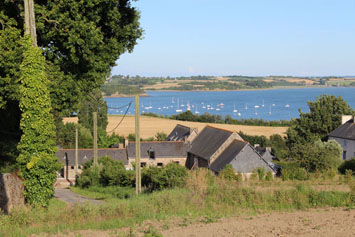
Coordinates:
[94,114]
[30,21]
[138,148]
[76,150]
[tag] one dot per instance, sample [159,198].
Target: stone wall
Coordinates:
[11,192]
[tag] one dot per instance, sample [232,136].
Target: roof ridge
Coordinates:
[182,125]
[88,149]
[157,142]
[235,139]
[223,129]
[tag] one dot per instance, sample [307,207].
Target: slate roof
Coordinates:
[85,155]
[163,149]
[208,141]
[179,133]
[228,155]
[345,131]
[265,153]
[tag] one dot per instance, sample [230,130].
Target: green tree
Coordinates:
[324,116]
[37,161]
[319,155]
[161,136]
[81,42]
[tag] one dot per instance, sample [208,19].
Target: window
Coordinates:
[177,162]
[143,164]
[160,164]
[344,142]
[151,153]
[344,155]
[72,167]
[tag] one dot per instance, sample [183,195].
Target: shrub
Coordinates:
[348,176]
[269,176]
[114,173]
[170,176]
[228,173]
[292,171]
[261,173]
[347,165]
[352,193]
[239,177]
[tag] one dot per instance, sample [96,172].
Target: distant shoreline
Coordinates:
[254,89]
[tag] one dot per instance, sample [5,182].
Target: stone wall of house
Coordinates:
[347,145]
[157,161]
[248,160]
[11,192]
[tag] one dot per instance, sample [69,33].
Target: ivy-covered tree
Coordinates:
[323,117]
[81,42]
[37,161]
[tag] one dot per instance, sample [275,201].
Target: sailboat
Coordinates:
[172,100]
[178,110]
[196,111]
[270,110]
[235,110]
[246,106]
[263,104]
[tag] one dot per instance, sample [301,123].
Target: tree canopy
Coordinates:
[80,41]
[323,117]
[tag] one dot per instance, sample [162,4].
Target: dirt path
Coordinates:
[72,198]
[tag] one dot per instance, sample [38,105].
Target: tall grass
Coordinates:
[203,196]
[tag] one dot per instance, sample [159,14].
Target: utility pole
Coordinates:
[30,21]
[94,114]
[138,148]
[76,150]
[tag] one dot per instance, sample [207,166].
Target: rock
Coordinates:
[11,192]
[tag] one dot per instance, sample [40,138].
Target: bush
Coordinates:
[228,173]
[292,171]
[114,173]
[171,176]
[269,176]
[352,193]
[261,173]
[347,165]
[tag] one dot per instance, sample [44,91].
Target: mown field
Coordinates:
[150,126]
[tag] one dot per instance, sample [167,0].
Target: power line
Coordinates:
[110,107]
[129,105]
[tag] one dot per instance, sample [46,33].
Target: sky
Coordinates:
[243,37]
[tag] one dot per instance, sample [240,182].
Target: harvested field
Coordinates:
[150,126]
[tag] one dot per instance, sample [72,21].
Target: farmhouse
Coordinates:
[67,158]
[182,133]
[158,153]
[214,148]
[345,136]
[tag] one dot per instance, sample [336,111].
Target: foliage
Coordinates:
[269,176]
[261,173]
[317,156]
[228,173]
[37,161]
[93,102]
[161,136]
[109,172]
[347,165]
[324,116]
[170,176]
[293,171]
[261,140]
[278,146]
[80,43]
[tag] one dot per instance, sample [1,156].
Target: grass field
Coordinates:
[150,126]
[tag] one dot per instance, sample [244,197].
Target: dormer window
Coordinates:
[151,153]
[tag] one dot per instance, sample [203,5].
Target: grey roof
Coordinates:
[208,141]
[265,153]
[179,133]
[85,155]
[228,155]
[163,149]
[346,131]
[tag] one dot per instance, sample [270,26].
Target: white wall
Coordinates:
[348,146]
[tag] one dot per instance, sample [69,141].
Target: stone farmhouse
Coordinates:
[214,148]
[345,136]
[158,153]
[182,133]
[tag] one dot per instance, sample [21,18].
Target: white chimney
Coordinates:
[346,118]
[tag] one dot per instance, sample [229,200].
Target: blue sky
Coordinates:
[243,37]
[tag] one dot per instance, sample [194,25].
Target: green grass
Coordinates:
[204,198]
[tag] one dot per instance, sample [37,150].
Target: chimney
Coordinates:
[346,118]
[125,144]
[256,145]
[268,149]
